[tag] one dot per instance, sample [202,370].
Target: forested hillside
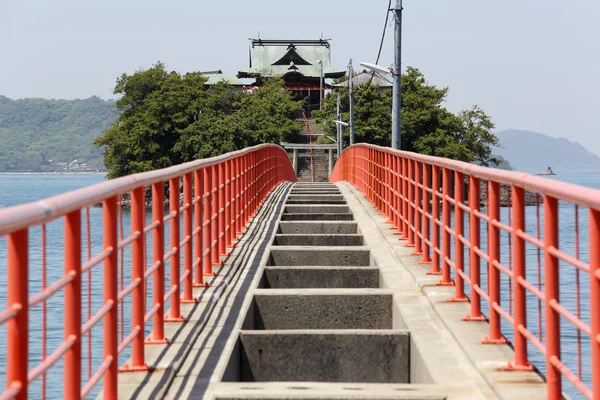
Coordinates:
[534,152]
[47,135]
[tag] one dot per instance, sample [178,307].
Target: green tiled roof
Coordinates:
[270,58]
[215,77]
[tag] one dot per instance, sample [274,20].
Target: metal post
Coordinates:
[111,285]
[351,87]
[339,127]
[320,85]
[396,72]
[72,293]
[295,161]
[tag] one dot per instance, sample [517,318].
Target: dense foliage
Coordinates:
[168,118]
[36,134]
[427,127]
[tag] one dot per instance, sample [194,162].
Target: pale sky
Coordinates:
[530,64]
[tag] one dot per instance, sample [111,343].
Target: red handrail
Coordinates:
[403,186]
[226,190]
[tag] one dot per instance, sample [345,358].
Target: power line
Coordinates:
[387,14]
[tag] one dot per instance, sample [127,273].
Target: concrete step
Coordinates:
[324,356]
[317,217]
[276,309]
[321,256]
[324,192]
[316,198]
[316,209]
[317,184]
[318,240]
[320,277]
[317,227]
[316,202]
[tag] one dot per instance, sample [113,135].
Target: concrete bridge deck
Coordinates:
[320,300]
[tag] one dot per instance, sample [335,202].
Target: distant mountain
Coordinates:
[534,152]
[39,135]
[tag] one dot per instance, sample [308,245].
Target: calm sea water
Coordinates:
[17,189]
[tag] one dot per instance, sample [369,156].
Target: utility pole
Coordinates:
[396,72]
[351,87]
[338,116]
[320,85]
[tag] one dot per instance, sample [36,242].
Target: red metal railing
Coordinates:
[528,272]
[220,195]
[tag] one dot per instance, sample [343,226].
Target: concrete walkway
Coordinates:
[321,301]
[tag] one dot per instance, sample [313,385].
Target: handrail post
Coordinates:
[198,228]
[188,250]
[459,247]
[594,239]
[175,310]
[435,235]
[417,201]
[138,267]
[214,219]
[228,202]
[411,208]
[520,314]
[206,223]
[158,254]
[236,200]
[396,193]
[474,259]
[426,222]
[387,189]
[221,212]
[72,301]
[446,179]
[111,288]
[493,209]
[17,346]
[405,205]
[551,275]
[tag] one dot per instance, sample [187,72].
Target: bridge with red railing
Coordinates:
[492,242]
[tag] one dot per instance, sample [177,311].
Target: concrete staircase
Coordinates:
[320,163]
[318,315]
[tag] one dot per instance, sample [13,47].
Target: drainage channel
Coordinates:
[318,314]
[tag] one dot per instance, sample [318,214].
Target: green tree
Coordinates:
[427,127]
[167,119]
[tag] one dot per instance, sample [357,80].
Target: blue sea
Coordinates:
[22,188]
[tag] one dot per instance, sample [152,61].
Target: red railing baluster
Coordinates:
[17,350]
[175,301]
[553,374]
[72,322]
[158,254]
[214,221]
[426,221]
[138,269]
[188,248]
[198,229]
[111,290]
[435,235]
[228,201]
[459,232]
[495,336]
[446,179]
[474,259]
[594,247]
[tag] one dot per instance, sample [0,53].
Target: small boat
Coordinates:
[548,172]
